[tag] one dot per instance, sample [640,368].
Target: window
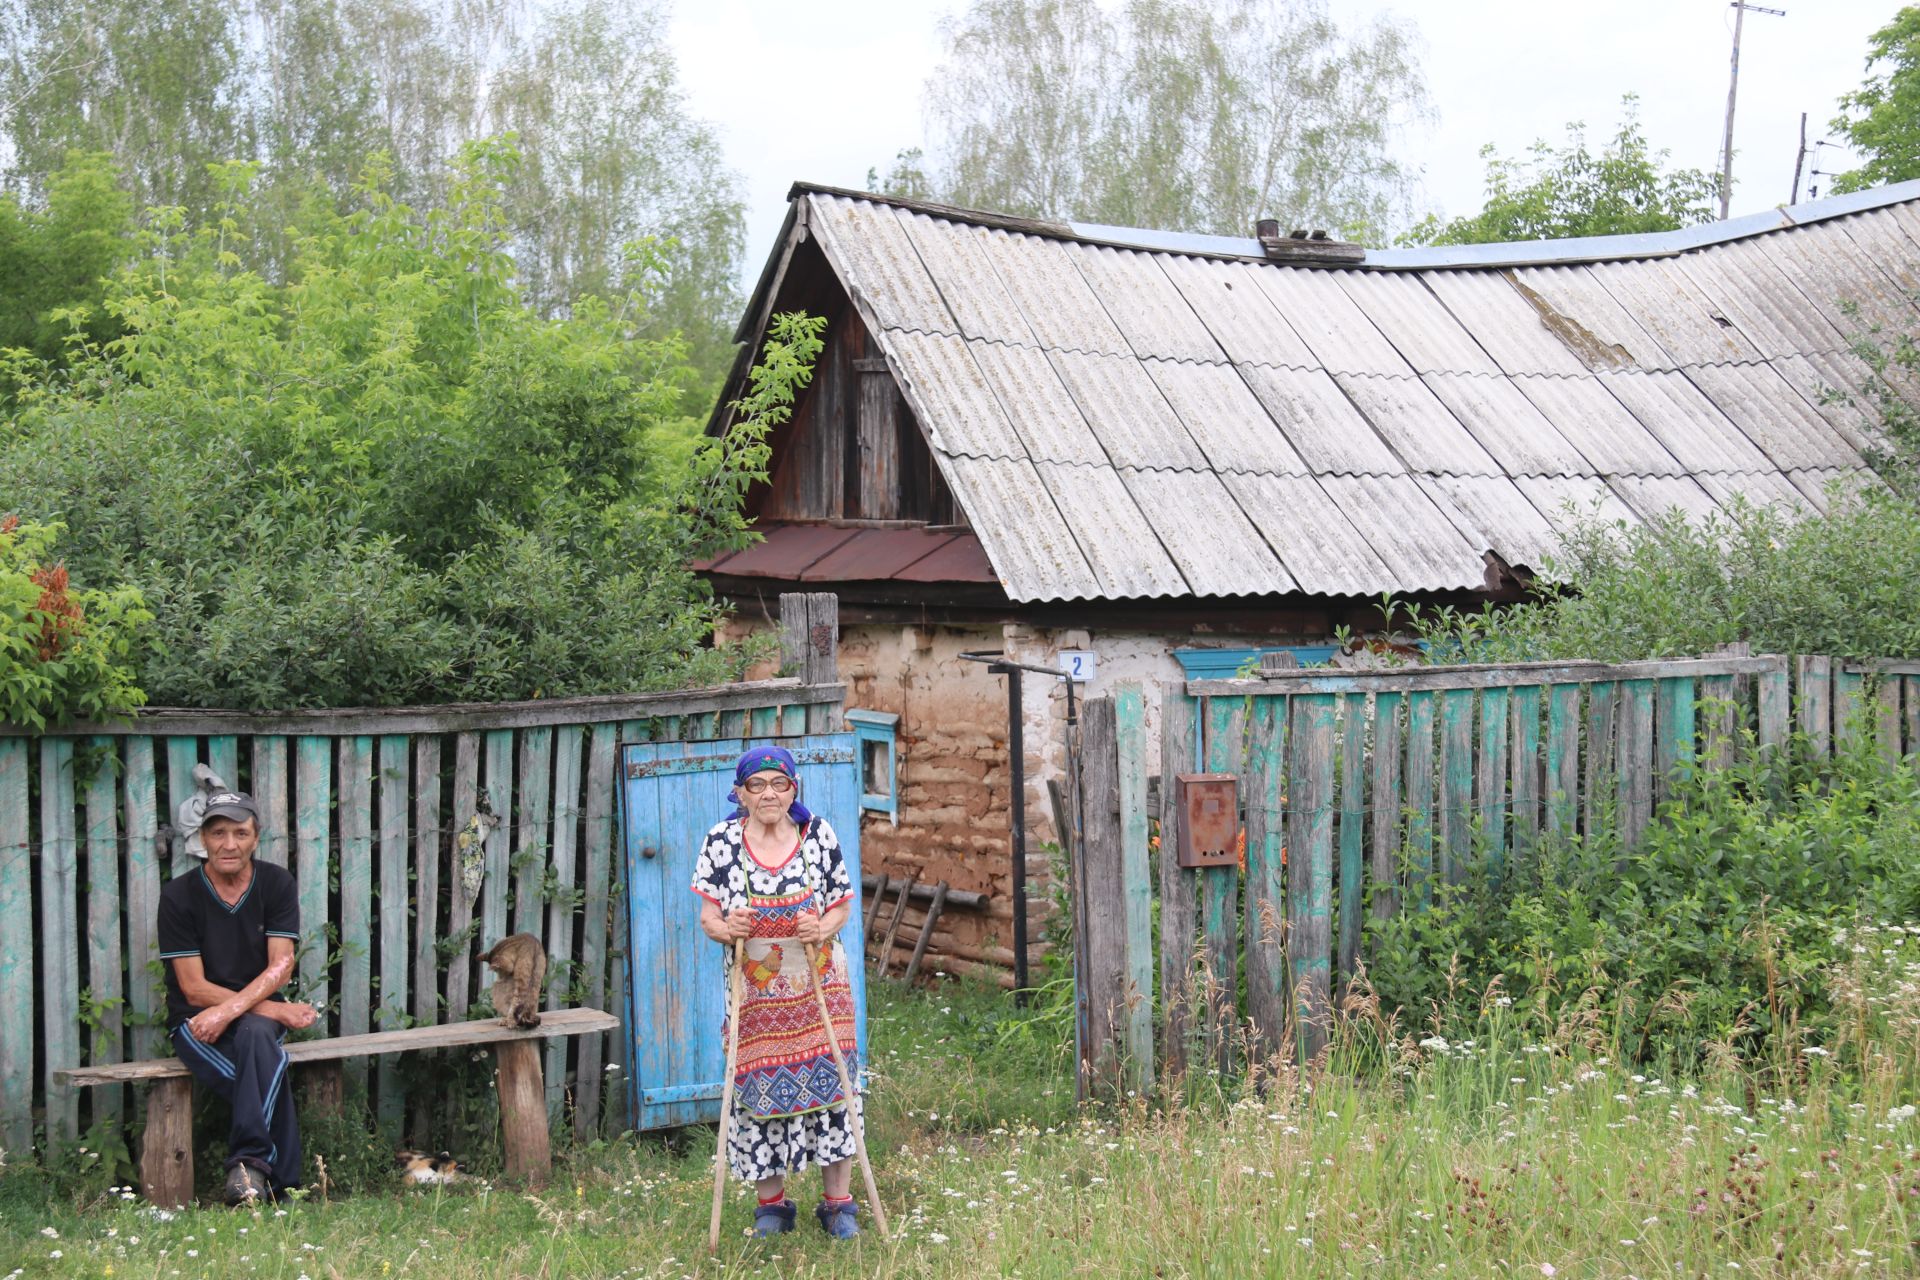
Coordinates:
[874,735]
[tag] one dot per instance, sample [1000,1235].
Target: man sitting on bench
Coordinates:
[227,936]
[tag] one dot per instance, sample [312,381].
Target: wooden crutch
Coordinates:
[726,1091]
[846,1089]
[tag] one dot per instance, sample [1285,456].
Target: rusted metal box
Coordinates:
[1209,809]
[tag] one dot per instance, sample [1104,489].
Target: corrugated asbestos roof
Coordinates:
[1130,414]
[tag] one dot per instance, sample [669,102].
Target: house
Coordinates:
[1172,452]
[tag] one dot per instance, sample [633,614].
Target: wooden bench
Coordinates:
[166,1150]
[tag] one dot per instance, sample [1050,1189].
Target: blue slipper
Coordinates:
[773,1219]
[841,1221]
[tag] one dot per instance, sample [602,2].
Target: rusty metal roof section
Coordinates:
[1128,414]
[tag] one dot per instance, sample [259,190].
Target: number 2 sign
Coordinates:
[1078,664]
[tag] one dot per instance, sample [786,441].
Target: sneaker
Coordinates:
[773,1219]
[247,1185]
[841,1221]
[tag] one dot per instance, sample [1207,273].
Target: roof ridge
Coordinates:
[1649,244]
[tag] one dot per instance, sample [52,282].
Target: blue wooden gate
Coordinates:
[671,792]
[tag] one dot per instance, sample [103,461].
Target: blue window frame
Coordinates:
[875,733]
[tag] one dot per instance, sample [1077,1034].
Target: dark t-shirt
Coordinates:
[230,941]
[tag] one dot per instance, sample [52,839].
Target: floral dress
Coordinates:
[788,1107]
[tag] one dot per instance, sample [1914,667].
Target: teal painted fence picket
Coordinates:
[1365,791]
[363,807]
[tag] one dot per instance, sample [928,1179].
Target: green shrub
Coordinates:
[63,650]
[1715,930]
[1839,584]
[389,480]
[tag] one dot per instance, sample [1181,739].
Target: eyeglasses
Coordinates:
[754,786]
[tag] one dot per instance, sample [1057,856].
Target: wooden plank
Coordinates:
[873,909]
[1775,703]
[1310,869]
[452,1035]
[1636,760]
[884,956]
[17,982]
[1225,727]
[424,989]
[763,722]
[1419,796]
[58,941]
[104,905]
[498,788]
[927,926]
[312,831]
[354,761]
[733,724]
[1886,728]
[458,717]
[223,757]
[395,850]
[1602,763]
[1850,722]
[1502,675]
[1720,713]
[596,926]
[166,1149]
[1814,718]
[1490,778]
[1352,833]
[1563,759]
[1388,756]
[1136,881]
[1102,914]
[141,811]
[1179,887]
[567,742]
[621,1112]
[182,755]
[1524,776]
[533,833]
[1456,784]
[460,901]
[1675,733]
[1264,791]
[1912,747]
[269,788]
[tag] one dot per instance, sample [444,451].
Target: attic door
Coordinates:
[856,451]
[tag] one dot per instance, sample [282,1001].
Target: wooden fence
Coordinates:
[1370,787]
[363,807]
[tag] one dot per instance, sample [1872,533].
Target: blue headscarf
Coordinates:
[779,760]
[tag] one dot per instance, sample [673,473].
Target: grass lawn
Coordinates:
[1492,1158]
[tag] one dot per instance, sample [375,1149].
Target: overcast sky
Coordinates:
[828,89]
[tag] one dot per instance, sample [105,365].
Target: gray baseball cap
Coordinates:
[237,805]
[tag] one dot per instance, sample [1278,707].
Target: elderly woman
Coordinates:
[773,876]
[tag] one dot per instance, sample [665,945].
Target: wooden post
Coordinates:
[1136,885]
[526,1145]
[1102,921]
[1385,853]
[166,1150]
[1225,722]
[873,909]
[1179,887]
[104,906]
[1264,791]
[59,939]
[1310,869]
[1353,820]
[893,925]
[17,978]
[325,1088]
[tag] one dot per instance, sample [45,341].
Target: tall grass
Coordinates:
[1517,1144]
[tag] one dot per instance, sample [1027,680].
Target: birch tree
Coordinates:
[1192,115]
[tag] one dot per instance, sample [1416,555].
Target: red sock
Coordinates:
[778,1197]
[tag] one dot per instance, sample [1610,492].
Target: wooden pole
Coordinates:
[846,1091]
[726,1093]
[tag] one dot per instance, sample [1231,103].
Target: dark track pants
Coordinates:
[248,1067]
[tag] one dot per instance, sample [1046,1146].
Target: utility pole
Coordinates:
[1739,8]
[1799,159]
